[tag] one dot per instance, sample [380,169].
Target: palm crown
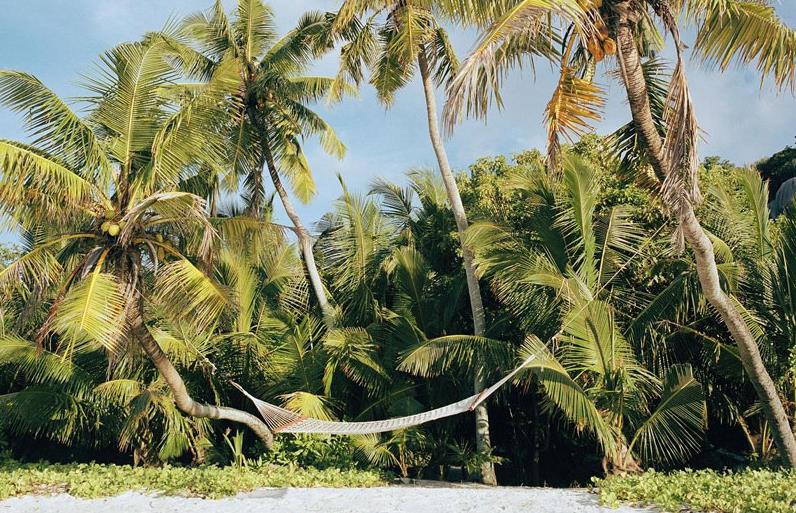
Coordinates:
[102,197]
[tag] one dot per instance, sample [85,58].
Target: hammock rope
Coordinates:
[281,420]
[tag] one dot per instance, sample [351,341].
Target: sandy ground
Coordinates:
[399,499]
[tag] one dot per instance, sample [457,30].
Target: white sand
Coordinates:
[398,499]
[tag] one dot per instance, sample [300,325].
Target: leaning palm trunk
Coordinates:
[482,439]
[702,247]
[304,239]
[183,400]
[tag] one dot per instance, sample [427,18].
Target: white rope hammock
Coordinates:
[281,420]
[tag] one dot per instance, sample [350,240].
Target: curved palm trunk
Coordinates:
[182,398]
[636,87]
[482,438]
[304,238]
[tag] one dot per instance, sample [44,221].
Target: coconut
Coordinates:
[114,230]
[609,45]
[105,226]
[598,53]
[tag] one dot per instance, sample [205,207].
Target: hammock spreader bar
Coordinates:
[281,420]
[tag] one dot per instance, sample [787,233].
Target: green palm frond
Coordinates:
[44,412]
[673,430]
[91,312]
[43,367]
[618,238]
[389,73]
[396,202]
[39,264]
[127,104]
[182,212]
[756,192]
[591,342]
[576,220]
[309,405]
[464,353]
[412,28]
[118,391]
[193,135]
[357,54]
[295,50]
[211,30]
[192,296]
[747,32]
[56,130]
[443,57]
[26,167]
[565,393]
[254,27]
[374,450]
[353,353]
[295,167]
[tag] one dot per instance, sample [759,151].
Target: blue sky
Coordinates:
[58,40]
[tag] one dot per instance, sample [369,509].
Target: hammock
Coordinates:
[281,420]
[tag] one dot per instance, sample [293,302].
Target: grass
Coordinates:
[94,480]
[748,491]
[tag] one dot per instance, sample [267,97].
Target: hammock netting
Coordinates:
[281,420]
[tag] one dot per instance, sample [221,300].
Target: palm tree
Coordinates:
[272,118]
[114,238]
[591,374]
[410,38]
[664,128]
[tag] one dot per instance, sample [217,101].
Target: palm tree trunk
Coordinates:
[182,398]
[697,239]
[482,438]
[304,238]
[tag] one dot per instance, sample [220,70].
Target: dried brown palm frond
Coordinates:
[575,102]
[681,185]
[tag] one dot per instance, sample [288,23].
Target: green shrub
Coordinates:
[316,451]
[749,491]
[94,480]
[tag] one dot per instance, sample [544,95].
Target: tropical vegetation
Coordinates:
[649,293]
[705,490]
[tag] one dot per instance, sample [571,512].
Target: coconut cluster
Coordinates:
[601,43]
[110,226]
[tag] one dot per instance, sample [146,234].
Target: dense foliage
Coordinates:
[749,491]
[151,276]
[92,480]
[778,168]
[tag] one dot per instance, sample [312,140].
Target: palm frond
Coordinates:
[673,430]
[575,103]
[478,83]
[91,312]
[55,129]
[747,32]
[565,393]
[192,296]
[464,353]
[254,28]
